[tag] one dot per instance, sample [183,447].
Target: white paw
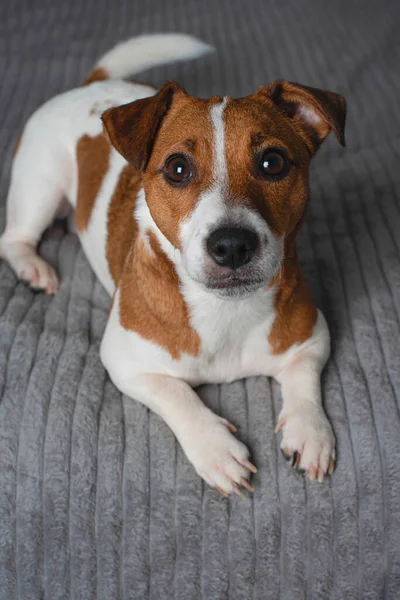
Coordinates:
[308,441]
[218,457]
[27,264]
[36,272]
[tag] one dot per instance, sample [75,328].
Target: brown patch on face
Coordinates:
[251,126]
[93,159]
[151,303]
[121,226]
[185,130]
[98,74]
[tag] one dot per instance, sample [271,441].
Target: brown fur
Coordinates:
[330,107]
[171,205]
[93,158]
[121,225]
[295,311]
[133,127]
[98,74]
[151,303]
[281,203]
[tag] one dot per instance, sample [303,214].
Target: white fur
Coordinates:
[211,210]
[218,122]
[45,170]
[233,332]
[309,115]
[140,53]
[146,223]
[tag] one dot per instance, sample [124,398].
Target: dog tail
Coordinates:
[140,53]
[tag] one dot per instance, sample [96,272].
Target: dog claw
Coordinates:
[246,463]
[331,466]
[321,475]
[247,485]
[229,426]
[312,472]
[222,492]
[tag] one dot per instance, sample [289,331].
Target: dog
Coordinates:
[187,210]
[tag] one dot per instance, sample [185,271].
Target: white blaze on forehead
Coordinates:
[218,123]
[214,210]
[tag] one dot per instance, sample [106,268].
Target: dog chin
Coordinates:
[235,289]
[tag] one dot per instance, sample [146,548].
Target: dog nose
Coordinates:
[232,247]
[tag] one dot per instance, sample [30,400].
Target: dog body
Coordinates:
[187,211]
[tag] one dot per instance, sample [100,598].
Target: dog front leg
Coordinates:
[307,439]
[207,440]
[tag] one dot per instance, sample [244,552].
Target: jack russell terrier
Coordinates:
[187,210]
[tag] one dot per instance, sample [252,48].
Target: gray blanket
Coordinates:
[97,500]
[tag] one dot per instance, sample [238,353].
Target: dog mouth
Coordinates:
[234,283]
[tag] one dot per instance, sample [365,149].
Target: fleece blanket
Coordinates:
[97,500]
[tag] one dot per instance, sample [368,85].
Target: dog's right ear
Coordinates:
[133,127]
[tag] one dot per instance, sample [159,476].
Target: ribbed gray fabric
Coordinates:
[97,500]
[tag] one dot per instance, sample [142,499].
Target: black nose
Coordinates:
[232,247]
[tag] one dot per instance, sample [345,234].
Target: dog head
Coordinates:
[227,180]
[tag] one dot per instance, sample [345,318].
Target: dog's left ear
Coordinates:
[316,111]
[133,128]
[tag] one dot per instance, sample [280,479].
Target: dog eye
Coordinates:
[273,163]
[177,169]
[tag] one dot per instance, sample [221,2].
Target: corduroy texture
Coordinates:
[97,500]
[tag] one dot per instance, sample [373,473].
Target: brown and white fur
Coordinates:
[178,317]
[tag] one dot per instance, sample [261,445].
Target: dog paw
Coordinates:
[27,264]
[37,273]
[219,458]
[308,441]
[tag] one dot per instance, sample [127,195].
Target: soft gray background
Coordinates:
[96,499]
